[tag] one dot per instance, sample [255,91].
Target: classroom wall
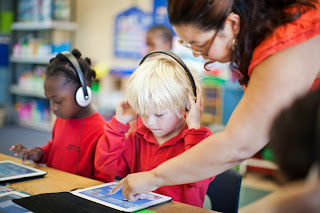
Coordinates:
[95,19]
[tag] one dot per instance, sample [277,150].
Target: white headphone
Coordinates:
[83,94]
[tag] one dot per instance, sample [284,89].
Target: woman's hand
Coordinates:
[125,113]
[34,154]
[135,184]
[195,112]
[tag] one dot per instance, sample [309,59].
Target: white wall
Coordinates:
[95,19]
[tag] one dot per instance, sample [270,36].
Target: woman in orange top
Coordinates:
[273,44]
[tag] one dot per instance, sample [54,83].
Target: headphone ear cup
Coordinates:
[81,101]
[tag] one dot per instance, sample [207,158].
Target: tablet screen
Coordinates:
[6,204]
[100,194]
[10,170]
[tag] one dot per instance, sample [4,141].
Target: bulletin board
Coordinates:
[130,28]
[160,13]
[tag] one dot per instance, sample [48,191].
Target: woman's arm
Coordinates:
[274,84]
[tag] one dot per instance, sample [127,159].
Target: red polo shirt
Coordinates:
[120,156]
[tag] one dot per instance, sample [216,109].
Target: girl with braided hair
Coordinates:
[77,129]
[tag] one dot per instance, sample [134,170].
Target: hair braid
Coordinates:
[61,65]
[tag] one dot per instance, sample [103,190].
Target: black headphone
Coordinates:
[179,60]
[83,94]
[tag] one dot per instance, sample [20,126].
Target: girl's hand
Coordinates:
[34,154]
[136,184]
[195,112]
[125,113]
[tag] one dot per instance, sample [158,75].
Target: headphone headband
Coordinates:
[72,59]
[177,59]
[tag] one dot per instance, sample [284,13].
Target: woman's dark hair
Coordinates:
[60,65]
[258,20]
[294,139]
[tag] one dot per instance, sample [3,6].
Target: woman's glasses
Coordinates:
[197,51]
[187,45]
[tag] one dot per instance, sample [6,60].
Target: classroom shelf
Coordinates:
[258,165]
[57,25]
[212,112]
[261,163]
[31,60]
[34,44]
[15,89]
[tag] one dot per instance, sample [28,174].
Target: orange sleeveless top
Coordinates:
[300,30]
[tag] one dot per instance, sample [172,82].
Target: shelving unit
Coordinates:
[33,45]
[16,90]
[34,27]
[212,112]
[31,60]
[47,25]
[258,165]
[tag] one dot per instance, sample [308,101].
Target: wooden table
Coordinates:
[59,181]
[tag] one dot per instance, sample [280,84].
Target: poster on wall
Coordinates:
[160,14]
[130,28]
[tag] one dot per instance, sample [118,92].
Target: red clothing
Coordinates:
[117,155]
[285,36]
[73,145]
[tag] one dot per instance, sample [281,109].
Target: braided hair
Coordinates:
[60,65]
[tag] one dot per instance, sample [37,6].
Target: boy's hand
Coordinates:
[195,112]
[125,112]
[34,154]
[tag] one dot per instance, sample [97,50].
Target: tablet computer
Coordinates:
[100,194]
[10,171]
[6,204]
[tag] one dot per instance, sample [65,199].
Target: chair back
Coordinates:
[224,191]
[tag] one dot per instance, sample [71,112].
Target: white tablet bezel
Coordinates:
[15,193]
[131,209]
[37,172]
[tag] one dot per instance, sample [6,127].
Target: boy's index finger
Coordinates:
[116,188]
[24,157]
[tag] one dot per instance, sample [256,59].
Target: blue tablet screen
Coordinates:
[9,169]
[6,204]
[117,198]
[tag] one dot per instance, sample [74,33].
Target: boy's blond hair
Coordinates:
[160,83]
